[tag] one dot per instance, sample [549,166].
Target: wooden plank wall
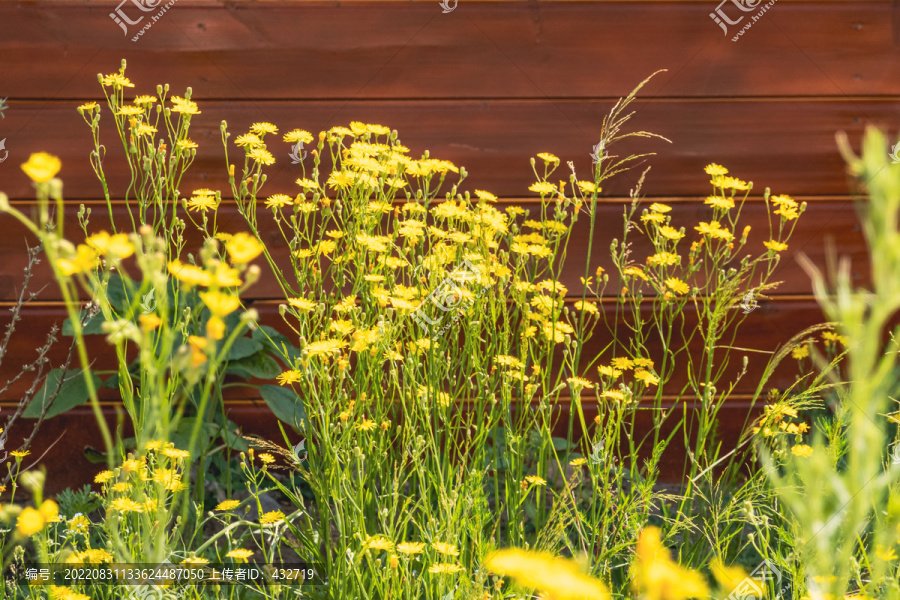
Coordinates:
[486,86]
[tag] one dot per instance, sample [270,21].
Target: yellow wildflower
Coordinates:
[775,245]
[801,450]
[227,505]
[557,577]
[411,548]
[657,576]
[677,285]
[243,247]
[273,516]
[240,554]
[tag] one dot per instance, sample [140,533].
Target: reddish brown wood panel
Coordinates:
[355,50]
[823,223]
[787,146]
[765,329]
[69,435]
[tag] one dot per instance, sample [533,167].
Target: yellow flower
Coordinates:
[800,352]
[658,577]
[886,554]
[788,212]
[547,157]
[622,362]
[88,106]
[801,450]
[176,453]
[85,260]
[267,458]
[226,276]
[535,480]
[79,524]
[609,371]
[775,245]
[125,505]
[20,453]
[261,155]
[558,577]
[636,272]
[411,548]
[243,247]
[444,569]
[117,80]
[248,140]
[579,384]
[588,307]
[263,128]
[298,135]
[117,246]
[30,521]
[588,187]
[58,592]
[446,549]
[670,233]
[220,304]
[189,274]
[273,516]
[289,377]
[486,196]
[227,505]
[367,425]
[182,105]
[203,203]
[215,328]
[719,202]
[713,229]
[378,543]
[714,169]
[543,188]
[653,217]
[103,476]
[614,394]
[663,258]
[646,376]
[240,554]
[677,285]
[577,462]
[197,345]
[728,577]
[50,511]
[658,207]
[302,304]
[324,347]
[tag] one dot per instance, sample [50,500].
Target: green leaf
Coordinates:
[72,393]
[259,365]
[92,327]
[242,348]
[272,339]
[284,403]
[94,456]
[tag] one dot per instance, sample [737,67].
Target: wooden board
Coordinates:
[248,50]
[786,146]
[764,330]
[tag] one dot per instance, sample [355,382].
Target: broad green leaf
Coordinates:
[284,403]
[259,365]
[242,348]
[73,393]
